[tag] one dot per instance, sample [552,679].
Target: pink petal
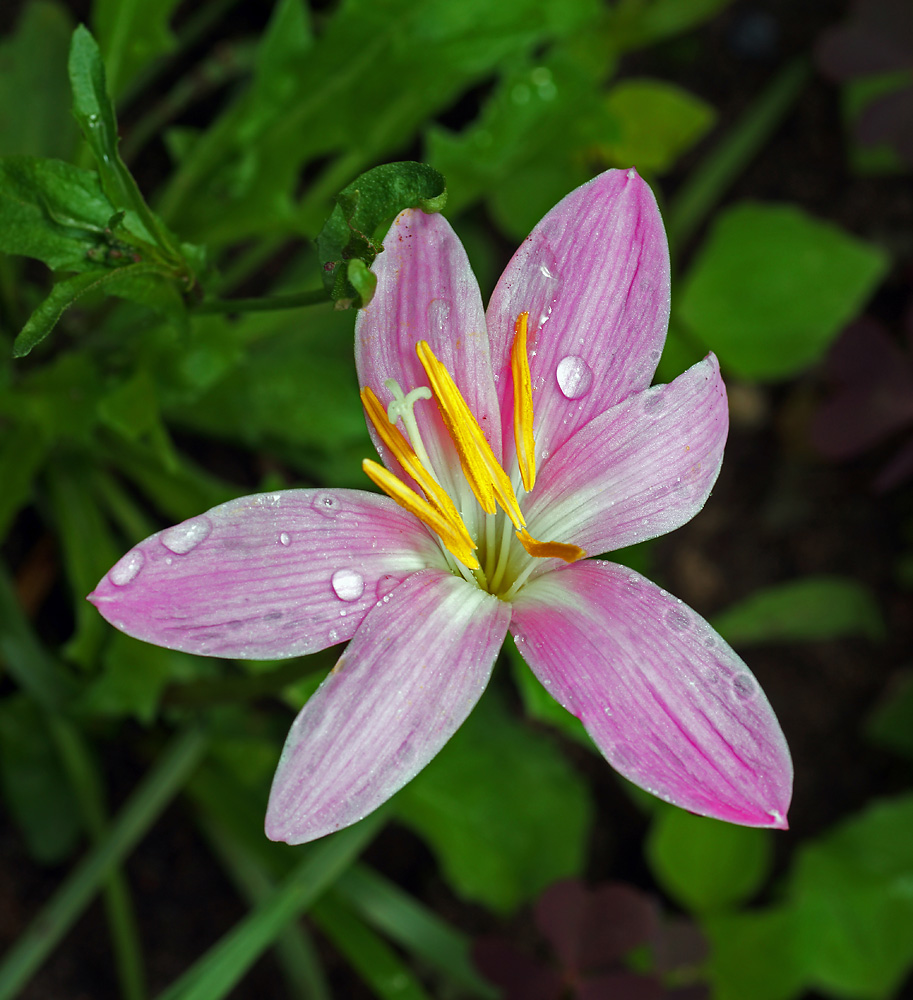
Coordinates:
[410,676]
[641,469]
[426,291]
[594,277]
[665,699]
[266,576]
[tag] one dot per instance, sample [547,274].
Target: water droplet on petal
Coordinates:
[183,537]
[744,686]
[284,538]
[575,377]
[127,568]
[385,586]
[347,584]
[326,504]
[439,316]
[677,619]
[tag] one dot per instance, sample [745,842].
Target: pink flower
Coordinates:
[477,541]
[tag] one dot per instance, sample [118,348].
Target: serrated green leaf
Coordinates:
[772,287]
[54,212]
[34,115]
[657,122]
[131,34]
[64,294]
[501,808]
[854,905]
[94,112]
[36,789]
[706,865]
[350,236]
[818,607]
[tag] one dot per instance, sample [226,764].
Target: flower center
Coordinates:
[499,571]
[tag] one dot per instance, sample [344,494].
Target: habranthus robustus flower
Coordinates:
[514,442]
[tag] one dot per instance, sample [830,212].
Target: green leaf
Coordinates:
[501,808]
[95,114]
[657,121]
[64,294]
[218,971]
[413,926]
[131,34]
[134,675]
[362,207]
[296,395]
[35,786]
[34,116]
[753,955]
[706,865]
[351,107]
[372,958]
[89,552]
[532,141]
[772,287]
[816,607]
[54,212]
[854,906]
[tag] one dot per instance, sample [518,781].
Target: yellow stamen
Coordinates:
[457,541]
[545,550]
[487,480]
[523,405]
[437,498]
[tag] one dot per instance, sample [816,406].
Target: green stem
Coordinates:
[217,972]
[711,178]
[84,778]
[294,947]
[272,303]
[56,917]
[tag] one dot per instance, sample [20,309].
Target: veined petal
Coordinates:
[641,469]
[594,277]
[666,700]
[408,679]
[266,576]
[426,291]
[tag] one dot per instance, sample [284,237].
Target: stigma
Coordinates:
[488,482]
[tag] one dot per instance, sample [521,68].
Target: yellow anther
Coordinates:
[457,541]
[546,550]
[523,405]
[437,498]
[487,480]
